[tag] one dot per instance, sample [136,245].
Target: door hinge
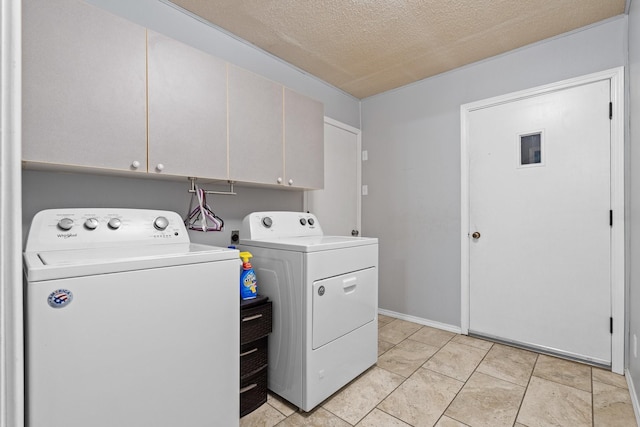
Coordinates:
[611,325]
[610,218]
[610,110]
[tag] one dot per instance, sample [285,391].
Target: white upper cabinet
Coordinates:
[187,91]
[303,141]
[84,87]
[276,136]
[255,128]
[100,92]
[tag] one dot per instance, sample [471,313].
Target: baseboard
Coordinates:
[421,321]
[634,395]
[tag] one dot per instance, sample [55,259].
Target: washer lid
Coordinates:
[48,265]
[311,243]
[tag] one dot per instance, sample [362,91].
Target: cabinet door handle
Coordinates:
[249,387]
[290,182]
[253,350]
[250,318]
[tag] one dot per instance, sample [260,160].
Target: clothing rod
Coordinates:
[231,191]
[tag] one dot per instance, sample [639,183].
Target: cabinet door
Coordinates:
[303,141]
[84,86]
[187,110]
[255,128]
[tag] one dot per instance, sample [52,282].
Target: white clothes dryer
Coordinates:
[325,302]
[128,323]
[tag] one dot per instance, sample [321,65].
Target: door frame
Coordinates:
[358,133]
[616,76]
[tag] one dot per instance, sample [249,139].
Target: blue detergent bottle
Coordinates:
[248,280]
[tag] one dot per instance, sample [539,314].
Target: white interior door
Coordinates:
[337,206]
[539,201]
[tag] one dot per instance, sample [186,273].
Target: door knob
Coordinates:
[475,235]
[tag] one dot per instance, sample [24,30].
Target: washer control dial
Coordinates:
[267,222]
[91,224]
[114,223]
[65,224]
[161,223]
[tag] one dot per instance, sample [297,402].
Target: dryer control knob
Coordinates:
[91,224]
[65,224]
[311,221]
[161,223]
[267,222]
[303,221]
[114,223]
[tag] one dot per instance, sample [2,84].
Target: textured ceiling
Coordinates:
[365,47]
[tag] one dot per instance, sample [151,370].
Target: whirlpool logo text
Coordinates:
[67,235]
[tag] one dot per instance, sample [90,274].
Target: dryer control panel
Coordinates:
[64,229]
[270,225]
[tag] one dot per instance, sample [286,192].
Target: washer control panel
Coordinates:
[269,225]
[60,229]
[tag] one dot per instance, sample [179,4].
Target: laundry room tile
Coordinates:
[608,377]
[432,336]
[406,357]
[449,422]
[280,404]
[317,417]
[377,418]
[485,401]
[612,406]
[422,398]
[564,372]
[383,320]
[473,342]
[509,364]
[357,399]
[547,403]
[397,330]
[264,416]
[456,360]
[383,346]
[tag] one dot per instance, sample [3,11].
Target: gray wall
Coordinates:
[633,223]
[48,190]
[43,190]
[412,136]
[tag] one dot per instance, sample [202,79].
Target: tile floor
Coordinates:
[430,377]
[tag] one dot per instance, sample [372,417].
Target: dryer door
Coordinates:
[342,304]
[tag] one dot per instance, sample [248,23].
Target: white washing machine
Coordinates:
[128,324]
[325,302]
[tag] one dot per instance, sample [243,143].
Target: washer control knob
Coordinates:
[65,224]
[91,224]
[114,223]
[161,223]
[267,222]
[311,221]
[303,221]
